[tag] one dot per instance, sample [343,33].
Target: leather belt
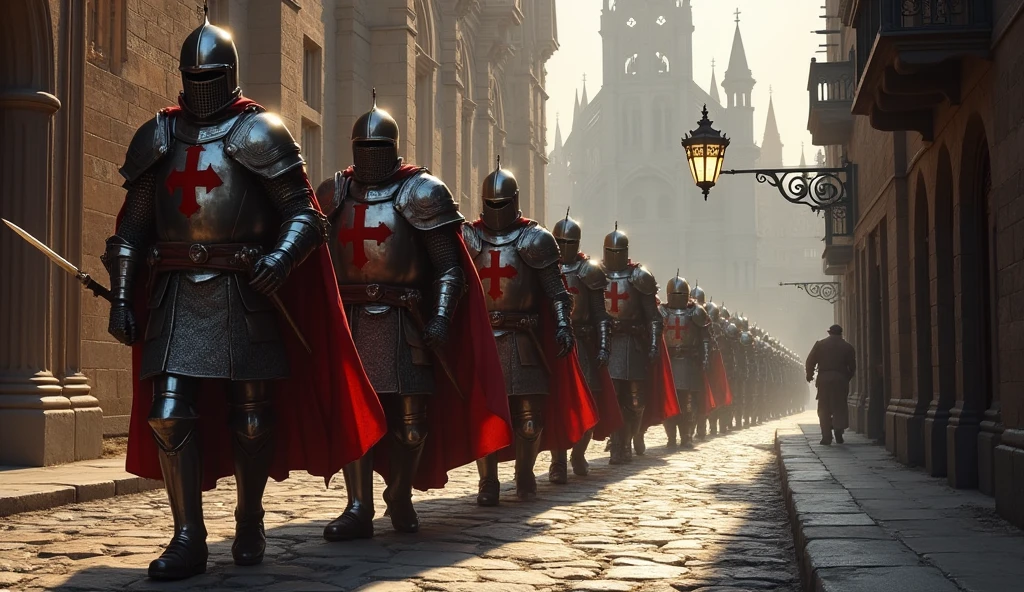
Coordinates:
[169,256]
[513,320]
[683,352]
[379,294]
[628,327]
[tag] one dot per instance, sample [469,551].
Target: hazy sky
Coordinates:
[777,37]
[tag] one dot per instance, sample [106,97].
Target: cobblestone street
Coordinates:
[709,520]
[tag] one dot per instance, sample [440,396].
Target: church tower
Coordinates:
[771,144]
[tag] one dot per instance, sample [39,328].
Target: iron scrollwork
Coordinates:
[818,188]
[827,291]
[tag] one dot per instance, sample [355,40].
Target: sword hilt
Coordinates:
[97,289]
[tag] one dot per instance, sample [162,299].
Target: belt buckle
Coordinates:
[154,257]
[497,318]
[198,254]
[374,292]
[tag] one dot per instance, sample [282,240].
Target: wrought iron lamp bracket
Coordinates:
[828,291]
[818,188]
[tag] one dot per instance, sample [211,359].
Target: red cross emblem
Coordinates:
[359,233]
[614,295]
[190,179]
[677,327]
[495,273]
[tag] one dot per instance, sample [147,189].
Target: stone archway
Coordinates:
[944,329]
[33,412]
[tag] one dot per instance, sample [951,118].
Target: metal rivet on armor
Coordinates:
[163,150]
[231,149]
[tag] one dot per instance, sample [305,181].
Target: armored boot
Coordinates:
[580,466]
[558,472]
[713,421]
[175,424]
[670,431]
[410,435]
[529,423]
[356,522]
[638,436]
[490,487]
[620,450]
[251,413]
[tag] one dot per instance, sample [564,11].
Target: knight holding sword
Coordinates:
[220,281]
[416,307]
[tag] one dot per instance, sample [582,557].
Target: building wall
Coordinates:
[458,76]
[937,328]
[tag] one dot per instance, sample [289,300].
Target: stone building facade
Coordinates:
[934,276]
[622,161]
[464,79]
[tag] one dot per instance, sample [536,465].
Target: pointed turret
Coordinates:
[714,85]
[738,81]
[558,133]
[771,143]
[576,110]
[584,101]
[803,159]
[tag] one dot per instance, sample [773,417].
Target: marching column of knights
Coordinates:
[368,327]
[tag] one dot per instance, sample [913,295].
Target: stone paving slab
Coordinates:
[41,488]
[711,519]
[873,524]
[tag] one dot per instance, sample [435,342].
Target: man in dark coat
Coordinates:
[836,362]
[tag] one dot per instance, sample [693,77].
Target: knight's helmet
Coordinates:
[742,323]
[724,312]
[209,71]
[375,145]
[714,312]
[678,290]
[500,193]
[616,250]
[699,295]
[568,234]
[732,331]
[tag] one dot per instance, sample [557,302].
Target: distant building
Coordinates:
[465,80]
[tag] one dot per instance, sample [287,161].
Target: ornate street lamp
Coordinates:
[819,188]
[705,152]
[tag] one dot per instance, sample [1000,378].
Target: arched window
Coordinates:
[631,65]
[662,62]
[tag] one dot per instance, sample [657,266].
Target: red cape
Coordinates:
[662,402]
[475,424]
[327,413]
[607,406]
[717,381]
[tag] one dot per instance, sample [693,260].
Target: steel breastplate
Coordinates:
[622,301]
[581,313]
[372,243]
[680,330]
[510,285]
[204,196]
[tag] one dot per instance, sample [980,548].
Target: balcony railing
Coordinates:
[831,87]
[914,46]
[840,221]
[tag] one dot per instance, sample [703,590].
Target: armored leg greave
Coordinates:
[356,522]
[490,487]
[252,428]
[409,432]
[700,414]
[558,472]
[632,404]
[175,424]
[580,466]
[528,423]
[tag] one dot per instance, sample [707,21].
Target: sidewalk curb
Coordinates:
[21,498]
[839,547]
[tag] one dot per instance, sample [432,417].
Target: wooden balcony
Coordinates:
[910,54]
[830,86]
[840,221]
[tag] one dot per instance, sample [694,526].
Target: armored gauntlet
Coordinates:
[122,261]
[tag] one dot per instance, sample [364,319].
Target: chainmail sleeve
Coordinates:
[553,284]
[303,229]
[598,312]
[138,224]
[450,282]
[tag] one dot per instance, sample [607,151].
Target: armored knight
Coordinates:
[219,206]
[688,336]
[402,269]
[726,337]
[517,260]
[716,417]
[586,283]
[636,337]
[747,371]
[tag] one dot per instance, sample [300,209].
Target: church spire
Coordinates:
[558,133]
[803,159]
[576,109]
[714,84]
[771,143]
[738,79]
[584,102]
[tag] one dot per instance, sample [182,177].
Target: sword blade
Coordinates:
[62,262]
[274,298]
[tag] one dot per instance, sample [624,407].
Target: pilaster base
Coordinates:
[962,453]
[1008,460]
[935,445]
[907,436]
[88,418]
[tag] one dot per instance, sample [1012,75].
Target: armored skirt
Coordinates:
[521,362]
[628,359]
[587,345]
[688,373]
[391,347]
[211,324]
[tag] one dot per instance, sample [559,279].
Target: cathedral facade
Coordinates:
[622,161]
[464,79]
